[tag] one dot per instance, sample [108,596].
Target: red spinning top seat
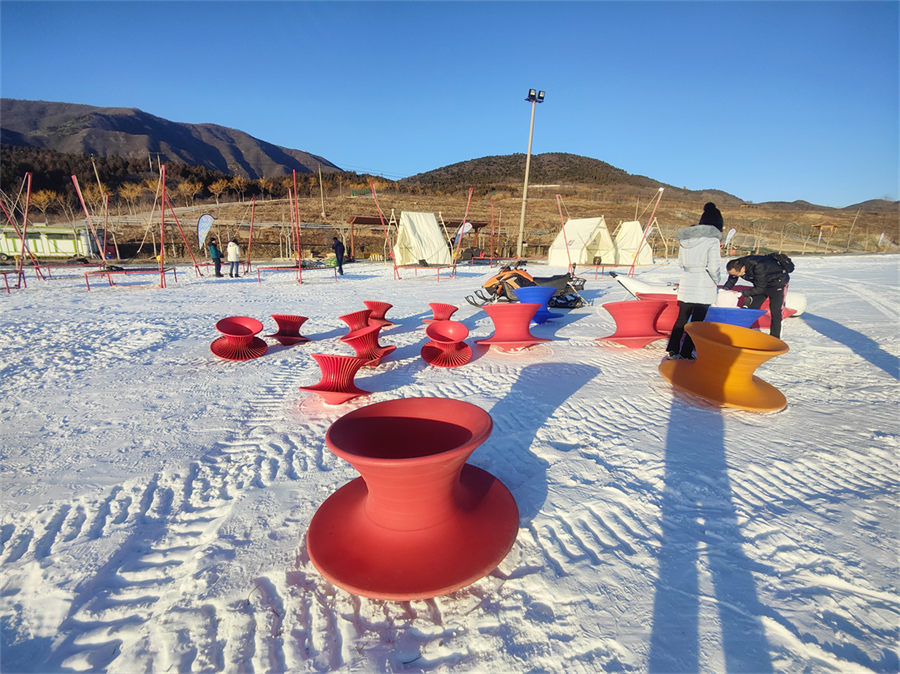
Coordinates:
[635,322]
[420,522]
[667,317]
[378,310]
[365,342]
[440,311]
[765,321]
[357,319]
[289,329]
[336,385]
[511,321]
[238,341]
[446,348]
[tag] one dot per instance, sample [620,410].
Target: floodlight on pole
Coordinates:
[534,96]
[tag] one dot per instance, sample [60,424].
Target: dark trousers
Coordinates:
[686,311]
[340,264]
[217,262]
[776,306]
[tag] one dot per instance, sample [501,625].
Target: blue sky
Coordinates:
[766,100]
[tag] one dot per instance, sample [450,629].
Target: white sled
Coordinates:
[792,300]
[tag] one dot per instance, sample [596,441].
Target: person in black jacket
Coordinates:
[338,249]
[768,278]
[216,255]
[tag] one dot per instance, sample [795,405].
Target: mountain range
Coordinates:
[133,134]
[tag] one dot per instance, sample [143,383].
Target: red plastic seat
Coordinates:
[511,326]
[446,348]
[357,319]
[378,310]
[336,385]
[420,522]
[289,329]
[440,312]
[635,322]
[667,317]
[365,342]
[239,341]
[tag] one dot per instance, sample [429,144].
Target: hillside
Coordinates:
[134,134]
[547,168]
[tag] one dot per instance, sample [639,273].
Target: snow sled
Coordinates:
[501,288]
[794,302]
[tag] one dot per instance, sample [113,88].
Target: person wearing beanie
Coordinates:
[698,285]
[711,216]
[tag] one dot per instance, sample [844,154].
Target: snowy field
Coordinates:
[156,498]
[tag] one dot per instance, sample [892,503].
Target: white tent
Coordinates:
[419,239]
[587,240]
[628,238]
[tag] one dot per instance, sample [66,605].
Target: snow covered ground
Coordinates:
[156,498]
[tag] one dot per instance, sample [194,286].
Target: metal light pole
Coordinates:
[533,98]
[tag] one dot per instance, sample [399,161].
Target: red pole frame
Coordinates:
[183,237]
[90,222]
[37,268]
[105,223]
[492,233]
[162,227]
[25,249]
[250,244]
[297,226]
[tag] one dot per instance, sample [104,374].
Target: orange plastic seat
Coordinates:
[727,357]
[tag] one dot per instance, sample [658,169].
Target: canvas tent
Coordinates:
[628,238]
[587,239]
[419,239]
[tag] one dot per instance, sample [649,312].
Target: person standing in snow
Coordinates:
[215,255]
[234,257]
[701,269]
[768,278]
[338,249]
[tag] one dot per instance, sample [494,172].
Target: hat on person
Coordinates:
[711,216]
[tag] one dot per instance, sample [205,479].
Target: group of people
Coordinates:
[233,256]
[233,253]
[701,272]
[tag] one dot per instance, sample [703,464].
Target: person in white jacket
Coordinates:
[701,271]
[233,252]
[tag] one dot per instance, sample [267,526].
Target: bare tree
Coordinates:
[217,188]
[239,183]
[267,186]
[94,195]
[131,192]
[187,190]
[42,200]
